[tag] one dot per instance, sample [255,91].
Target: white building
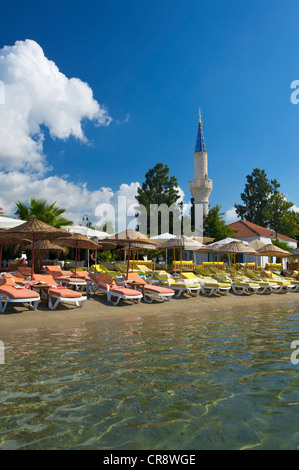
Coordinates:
[247,231]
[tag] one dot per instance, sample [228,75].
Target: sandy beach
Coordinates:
[20,319]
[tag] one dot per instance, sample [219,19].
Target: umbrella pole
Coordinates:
[181,265]
[174,265]
[76,256]
[32,255]
[128,262]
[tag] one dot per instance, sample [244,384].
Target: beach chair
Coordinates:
[210,286]
[150,291]
[65,278]
[180,286]
[242,286]
[266,286]
[14,293]
[285,285]
[24,270]
[104,283]
[17,277]
[58,293]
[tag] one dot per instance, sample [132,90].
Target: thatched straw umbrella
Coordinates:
[9,239]
[273,250]
[44,245]
[78,241]
[183,243]
[130,238]
[235,248]
[34,230]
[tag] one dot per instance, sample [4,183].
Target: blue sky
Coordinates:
[152,64]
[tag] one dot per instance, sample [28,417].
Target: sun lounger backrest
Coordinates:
[15,275]
[24,270]
[133,277]
[7,282]
[45,278]
[101,278]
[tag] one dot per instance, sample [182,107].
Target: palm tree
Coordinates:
[40,209]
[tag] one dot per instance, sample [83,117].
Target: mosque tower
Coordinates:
[201,186]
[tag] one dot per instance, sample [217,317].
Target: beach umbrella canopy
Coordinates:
[273,250]
[44,245]
[234,248]
[35,229]
[183,243]
[78,241]
[10,239]
[130,238]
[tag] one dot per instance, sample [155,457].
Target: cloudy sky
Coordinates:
[96,93]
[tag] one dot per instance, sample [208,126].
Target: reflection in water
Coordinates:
[222,380]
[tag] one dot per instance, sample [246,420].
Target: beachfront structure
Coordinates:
[248,231]
[201,186]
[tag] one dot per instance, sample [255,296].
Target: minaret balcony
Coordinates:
[203,183]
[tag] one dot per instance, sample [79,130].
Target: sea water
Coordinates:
[217,380]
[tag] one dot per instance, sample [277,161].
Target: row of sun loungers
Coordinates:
[65,286]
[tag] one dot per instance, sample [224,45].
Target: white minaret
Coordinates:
[201,187]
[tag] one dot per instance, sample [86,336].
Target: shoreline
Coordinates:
[21,320]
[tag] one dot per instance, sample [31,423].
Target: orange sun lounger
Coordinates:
[58,293]
[65,277]
[13,293]
[150,292]
[102,282]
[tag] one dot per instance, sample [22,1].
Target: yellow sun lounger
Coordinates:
[180,286]
[209,285]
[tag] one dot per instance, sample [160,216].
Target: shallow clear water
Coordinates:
[222,380]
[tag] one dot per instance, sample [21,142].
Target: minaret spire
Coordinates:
[200,145]
[201,187]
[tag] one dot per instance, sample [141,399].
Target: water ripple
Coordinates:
[222,380]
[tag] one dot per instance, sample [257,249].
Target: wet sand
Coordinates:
[21,320]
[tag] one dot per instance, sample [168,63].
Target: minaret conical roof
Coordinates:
[200,145]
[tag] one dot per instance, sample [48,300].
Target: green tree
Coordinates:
[158,188]
[282,219]
[256,196]
[265,205]
[40,209]
[214,225]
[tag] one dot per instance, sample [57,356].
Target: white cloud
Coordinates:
[295,209]
[231,216]
[36,94]
[77,199]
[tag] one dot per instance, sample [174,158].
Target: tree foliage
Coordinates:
[158,188]
[264,205]
[214,225]
[40,209]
